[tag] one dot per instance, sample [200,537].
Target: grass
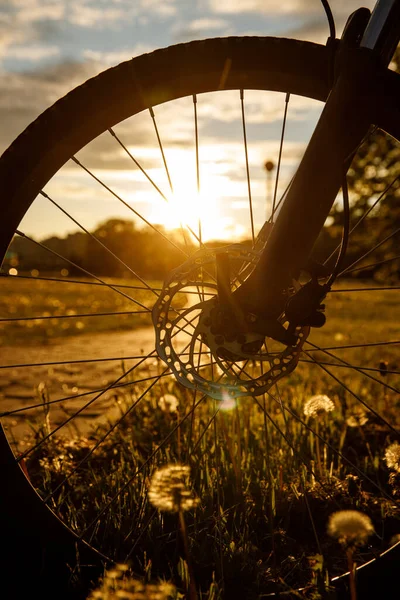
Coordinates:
[29,298]
[265,489]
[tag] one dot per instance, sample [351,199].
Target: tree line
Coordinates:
[115,248]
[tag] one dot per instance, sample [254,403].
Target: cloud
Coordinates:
[19,12]
[25,95]
[28,11]
[200,28]
[260,106]
[31,53]
[164,8]
[114,57]
[206,24]
[262,6]
[92,17]
[277,7]
[21,23]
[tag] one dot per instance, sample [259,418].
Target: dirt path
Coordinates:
[20,386]
[24,386]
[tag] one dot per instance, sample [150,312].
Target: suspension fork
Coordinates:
[344,122]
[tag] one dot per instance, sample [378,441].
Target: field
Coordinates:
[50,300]
[267,477]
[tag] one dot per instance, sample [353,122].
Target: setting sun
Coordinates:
[189,206]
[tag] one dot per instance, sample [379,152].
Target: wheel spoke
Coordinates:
[128,206]
[195,394]
[332,448]
[388,343]
[356,367]
[66,316]
[196,141]
[96,239]
[81,282]
[101,392]
[9,413]
[102,439]
[90,360]
[80,410]
[271,354]
[163,196]
[365,289]
[296,452]
[361,219]
[112,287]
[218,477]
[202,434]
[356,396]
[350,269]
[140,535]
[372,265]
[247,165]
[145,463]
[153,116]
[125,149]
[241,370]
[73,362]
[274,207]
[281,199]
[136,473]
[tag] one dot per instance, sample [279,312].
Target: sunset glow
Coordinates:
[192,208]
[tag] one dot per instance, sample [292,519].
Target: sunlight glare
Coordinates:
[227,403]
[186,204]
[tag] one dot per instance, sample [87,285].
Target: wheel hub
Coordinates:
[220,331]
[209,348]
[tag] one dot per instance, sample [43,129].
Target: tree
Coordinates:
[375,168]
[145,251]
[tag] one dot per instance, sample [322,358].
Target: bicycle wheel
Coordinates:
[96,483]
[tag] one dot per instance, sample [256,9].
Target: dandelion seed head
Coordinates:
[168,403]
[117,585]
[392,456]
[113,574]
[169,489]
[358,418]
[318,405]
[350,527]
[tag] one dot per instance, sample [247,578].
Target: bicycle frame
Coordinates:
[344,122]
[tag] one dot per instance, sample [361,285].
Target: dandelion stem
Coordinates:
[271,503]
[350,564]
[318,449]
[192,585]
[218,524]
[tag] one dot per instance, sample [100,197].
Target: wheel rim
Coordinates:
[319,343]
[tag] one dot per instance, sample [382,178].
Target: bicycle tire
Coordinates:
[274,64]
[300,67]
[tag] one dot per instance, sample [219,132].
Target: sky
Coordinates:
[48,47]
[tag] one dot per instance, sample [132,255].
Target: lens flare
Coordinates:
[227,402]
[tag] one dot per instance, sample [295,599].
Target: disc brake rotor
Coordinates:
[199,356]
